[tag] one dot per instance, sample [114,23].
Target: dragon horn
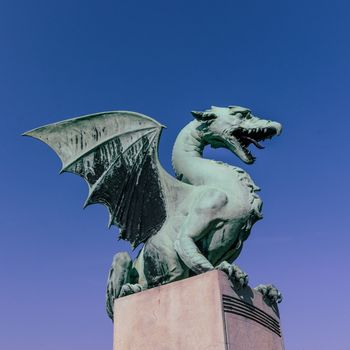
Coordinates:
[197,115]
[202,116]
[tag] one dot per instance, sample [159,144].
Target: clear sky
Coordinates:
[286,60]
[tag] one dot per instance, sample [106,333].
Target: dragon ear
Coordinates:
[203,116]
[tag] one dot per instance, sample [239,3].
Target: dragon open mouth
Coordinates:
[245,137]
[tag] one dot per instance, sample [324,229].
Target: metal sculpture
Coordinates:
[188,225]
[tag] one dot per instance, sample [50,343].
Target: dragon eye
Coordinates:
[245,114]
[238,114]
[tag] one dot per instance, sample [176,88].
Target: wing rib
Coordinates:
[105,173]
[117,154]
[88,151]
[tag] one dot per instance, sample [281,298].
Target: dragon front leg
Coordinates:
[270,293]
[202,215]
[189,253]
[235,274]
[238,277]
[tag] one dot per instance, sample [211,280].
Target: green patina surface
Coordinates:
[190,224]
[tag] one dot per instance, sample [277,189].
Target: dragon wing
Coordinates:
[117,154]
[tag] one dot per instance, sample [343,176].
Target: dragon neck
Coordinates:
[187,159]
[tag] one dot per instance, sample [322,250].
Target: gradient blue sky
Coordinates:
[286,60]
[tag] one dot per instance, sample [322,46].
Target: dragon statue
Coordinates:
[188,225]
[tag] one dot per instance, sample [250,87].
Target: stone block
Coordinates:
[203,312]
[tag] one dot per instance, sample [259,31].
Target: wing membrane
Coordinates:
[116,153]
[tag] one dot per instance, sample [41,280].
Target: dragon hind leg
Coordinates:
[119,274]
[122,280]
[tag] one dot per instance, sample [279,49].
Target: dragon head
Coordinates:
[235,128]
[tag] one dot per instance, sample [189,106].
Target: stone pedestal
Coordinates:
[198,313]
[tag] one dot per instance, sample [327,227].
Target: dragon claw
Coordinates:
[235,274]
[270,293]
[129,288]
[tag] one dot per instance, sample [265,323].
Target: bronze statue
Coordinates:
[188,225]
